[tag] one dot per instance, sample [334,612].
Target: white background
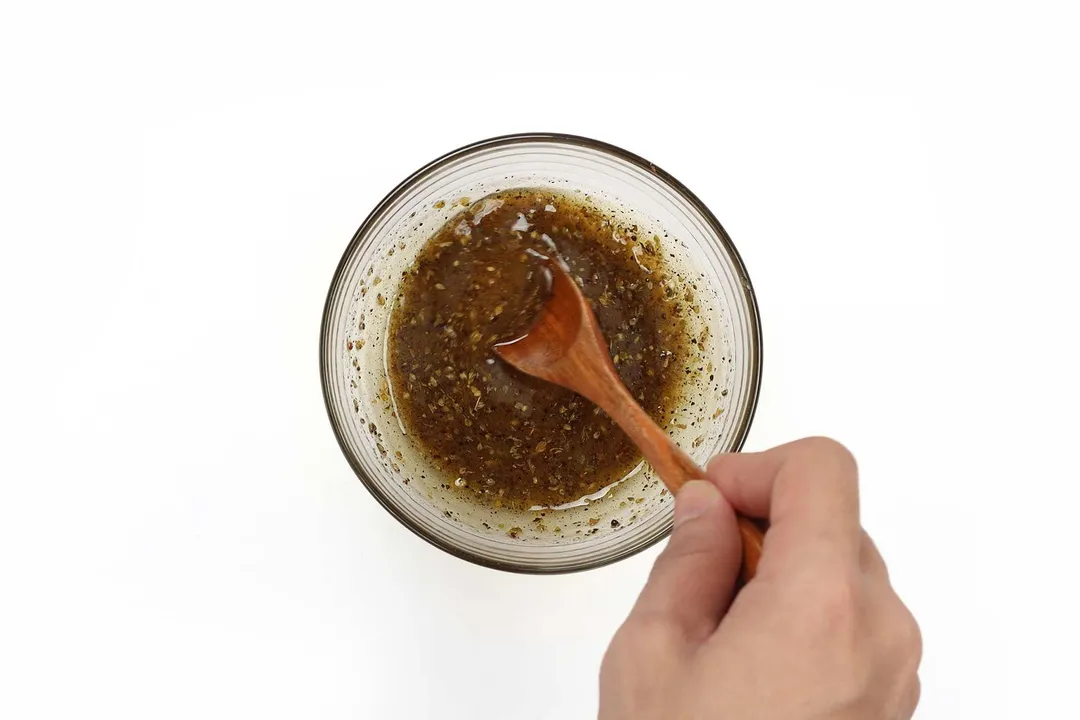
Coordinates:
[180,536]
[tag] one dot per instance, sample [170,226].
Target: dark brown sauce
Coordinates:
[500,436]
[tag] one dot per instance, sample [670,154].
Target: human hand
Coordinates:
[817,634]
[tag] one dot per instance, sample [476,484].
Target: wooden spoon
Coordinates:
[565,347]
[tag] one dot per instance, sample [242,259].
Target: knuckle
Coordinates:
[834,600]
[828,449]
[854,685]
[909,639]
[914,694]
[838,602]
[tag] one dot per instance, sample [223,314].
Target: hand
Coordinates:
[818,634]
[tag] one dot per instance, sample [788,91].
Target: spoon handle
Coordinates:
[674,466]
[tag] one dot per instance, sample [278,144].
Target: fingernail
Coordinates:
[694,499]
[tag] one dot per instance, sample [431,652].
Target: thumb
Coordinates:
[693,580]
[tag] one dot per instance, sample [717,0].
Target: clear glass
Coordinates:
[629,516]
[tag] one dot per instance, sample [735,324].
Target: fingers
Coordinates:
[692,582]
[807,489]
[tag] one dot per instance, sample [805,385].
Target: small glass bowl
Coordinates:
[630,516]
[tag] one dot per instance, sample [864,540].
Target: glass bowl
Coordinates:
[715,413]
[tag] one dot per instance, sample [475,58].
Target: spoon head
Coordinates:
[556,334]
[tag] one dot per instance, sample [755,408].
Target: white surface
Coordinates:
[180,536]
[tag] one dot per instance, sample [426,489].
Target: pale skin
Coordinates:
[818,634]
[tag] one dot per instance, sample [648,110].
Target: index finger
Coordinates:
[808,490]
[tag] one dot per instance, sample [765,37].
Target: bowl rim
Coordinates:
[747,289]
